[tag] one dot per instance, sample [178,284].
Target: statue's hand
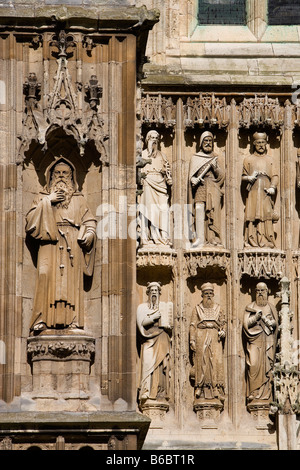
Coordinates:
[193,345]
[57,196]
[214,164]
[270,191]
[87,240]
[258,315]
[194,181]
[156,315]
[221,334]
[252,178]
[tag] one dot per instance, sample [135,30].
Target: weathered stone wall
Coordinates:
[232,81]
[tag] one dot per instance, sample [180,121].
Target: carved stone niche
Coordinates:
[61,365]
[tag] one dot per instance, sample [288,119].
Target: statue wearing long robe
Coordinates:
[154,357]
[209,193]
[154,201]
[259,210]
[208,356]
[261,337]
[63,259]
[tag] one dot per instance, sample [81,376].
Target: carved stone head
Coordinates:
[207,142]
[152,140]
[65,167]
[260,140]
[153,292]
[208,293]
[261,292]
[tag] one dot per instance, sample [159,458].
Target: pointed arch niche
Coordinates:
[89,177]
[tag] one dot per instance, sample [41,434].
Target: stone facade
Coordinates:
[161,348]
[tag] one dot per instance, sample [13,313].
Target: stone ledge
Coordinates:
[91,16]
[25,424]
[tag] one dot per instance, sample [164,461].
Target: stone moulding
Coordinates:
[268,264]
[61,348]
[123,18]
[218,259]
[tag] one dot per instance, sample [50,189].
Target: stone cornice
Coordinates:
[122,19]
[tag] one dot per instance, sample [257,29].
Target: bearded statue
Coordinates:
[61,221]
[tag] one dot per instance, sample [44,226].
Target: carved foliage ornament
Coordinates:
[61,350]
[62,109]
[217,260]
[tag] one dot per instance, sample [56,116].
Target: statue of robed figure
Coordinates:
[62,223]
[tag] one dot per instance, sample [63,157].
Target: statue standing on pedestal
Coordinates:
[206,179]
[155,348]
[154,210]
[207,334]
[65,229]
[262,181]
[260,330]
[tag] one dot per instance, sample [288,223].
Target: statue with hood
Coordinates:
[61,222]
[206,179]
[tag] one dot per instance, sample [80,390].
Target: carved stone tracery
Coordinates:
[268,264]
[158,110]
[62,109]
[207,109]
[217,260]
[261,111]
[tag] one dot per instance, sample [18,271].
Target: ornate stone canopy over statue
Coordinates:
[262,181]
[62,223]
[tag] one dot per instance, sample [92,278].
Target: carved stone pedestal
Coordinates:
[154,409]
[61,367]
[208,411]
[259,411]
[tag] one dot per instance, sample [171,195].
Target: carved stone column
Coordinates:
[286,376]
